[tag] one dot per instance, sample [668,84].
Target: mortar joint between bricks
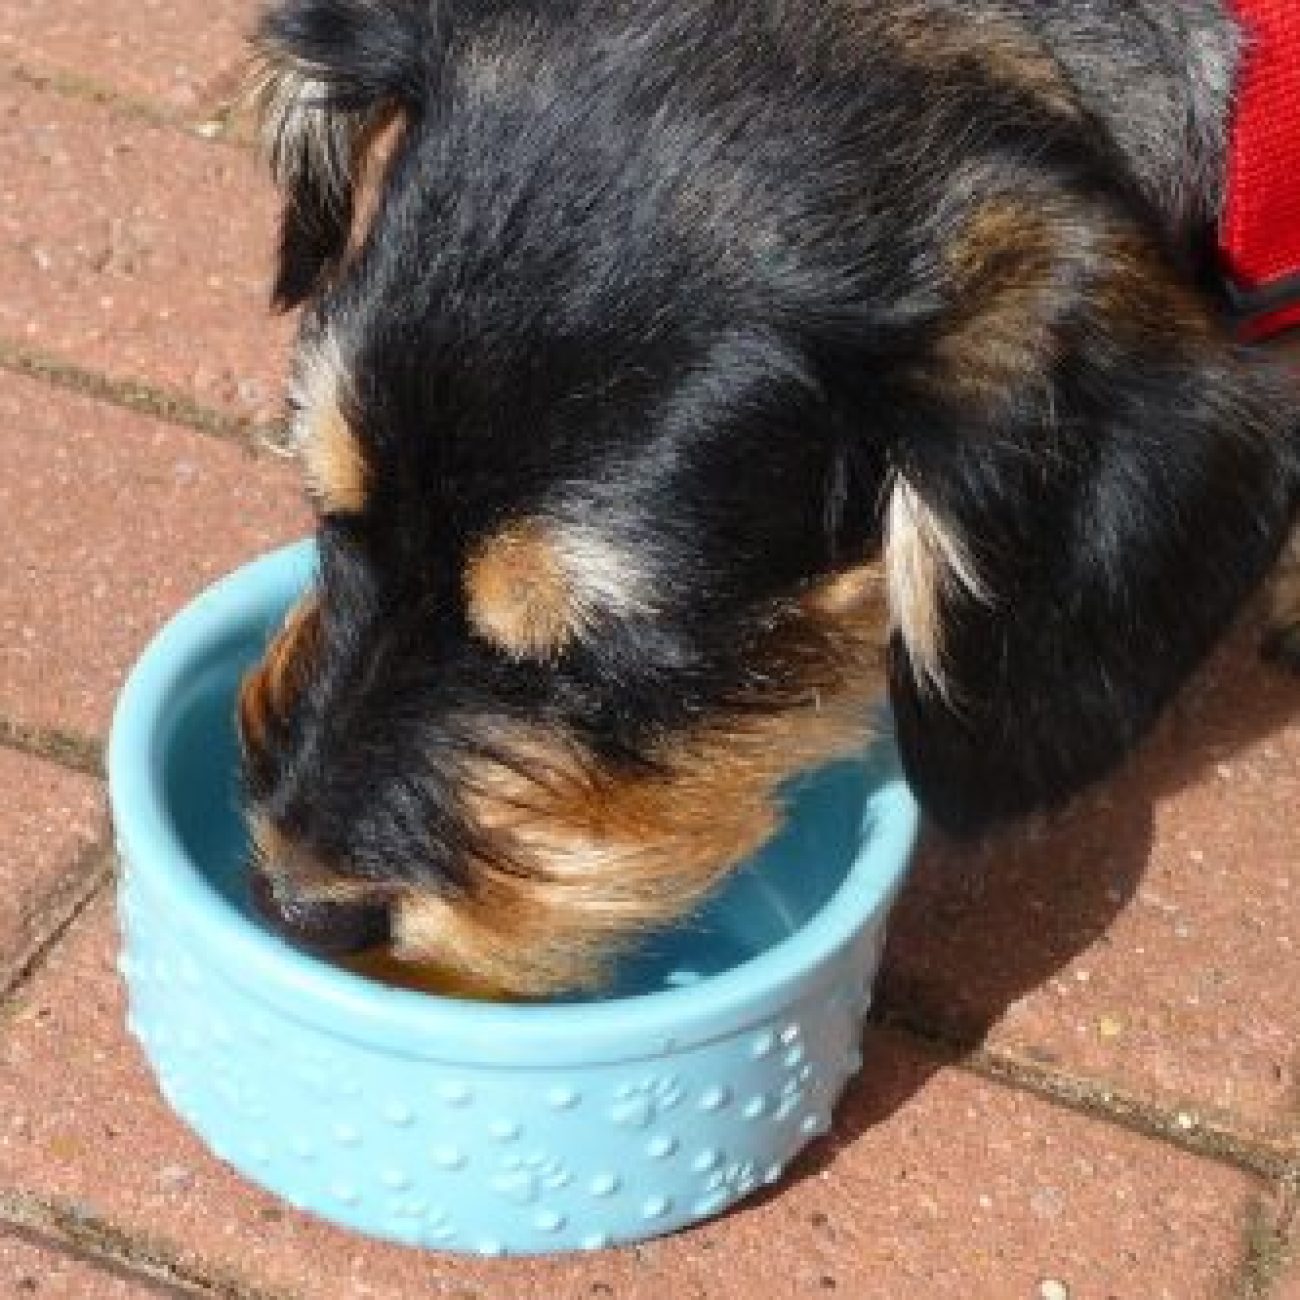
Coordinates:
[140,398]
[1210,1136]
[82,1231]
[218,120]
[63,905]
[63,748]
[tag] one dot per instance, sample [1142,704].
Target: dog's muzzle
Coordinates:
[325,928]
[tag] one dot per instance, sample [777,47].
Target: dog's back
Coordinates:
[1156,75]
[1152,80]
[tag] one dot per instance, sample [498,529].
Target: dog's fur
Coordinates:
[675,376]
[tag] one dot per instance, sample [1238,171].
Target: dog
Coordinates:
[675,378]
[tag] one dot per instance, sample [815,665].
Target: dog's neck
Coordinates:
[1158,77]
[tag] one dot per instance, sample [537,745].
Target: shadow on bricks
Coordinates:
[979,928]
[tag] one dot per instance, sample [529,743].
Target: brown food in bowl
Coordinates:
[381,965]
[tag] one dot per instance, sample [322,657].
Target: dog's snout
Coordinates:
[325,927]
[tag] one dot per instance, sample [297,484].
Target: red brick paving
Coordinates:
[1148,939]
[1162,949]
[933,1183]
[169,51]
[32,1271]
[135,249]
[1288,1286]
[53,816]
[146,514]
[1288,1282]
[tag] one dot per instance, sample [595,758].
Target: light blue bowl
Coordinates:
[496,1129]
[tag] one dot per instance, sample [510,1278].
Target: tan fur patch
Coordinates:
[333,460]
[267,690]
[1006,52]
[383,966]
[1003,264]
[1140,297]
[586,859]
[1284,595]
[373,154]
[519,593]
[1017,264]
[537,585]
[924,559]
[850,592]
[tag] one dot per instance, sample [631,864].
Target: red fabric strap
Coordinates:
[1259,233]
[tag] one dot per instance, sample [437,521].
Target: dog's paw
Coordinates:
[1281,643]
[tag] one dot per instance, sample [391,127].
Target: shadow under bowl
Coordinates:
[715,1055]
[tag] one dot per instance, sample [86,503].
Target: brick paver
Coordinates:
[933,1183]
[1282,1261]
[1151,936]
[168,50]
[31,1270]
[52,817]
[112,521]
[138,250]
[1288,1286]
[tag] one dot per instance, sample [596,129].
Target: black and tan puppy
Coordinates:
[675,377]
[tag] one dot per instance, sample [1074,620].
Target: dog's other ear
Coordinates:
[1058,568]
[329,75]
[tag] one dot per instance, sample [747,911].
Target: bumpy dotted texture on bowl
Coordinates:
[484,1159]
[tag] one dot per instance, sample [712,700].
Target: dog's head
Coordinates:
[645,457]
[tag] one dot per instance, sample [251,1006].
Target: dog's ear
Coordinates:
[1056,570]
[330,75]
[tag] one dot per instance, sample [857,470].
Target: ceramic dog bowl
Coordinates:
[719,1052]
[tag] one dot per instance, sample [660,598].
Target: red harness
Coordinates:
[1259,234]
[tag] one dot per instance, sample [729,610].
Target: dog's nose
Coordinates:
[325,927]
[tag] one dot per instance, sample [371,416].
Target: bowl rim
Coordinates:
[348,1005]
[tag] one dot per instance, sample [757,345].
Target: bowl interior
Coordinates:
[762,903]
